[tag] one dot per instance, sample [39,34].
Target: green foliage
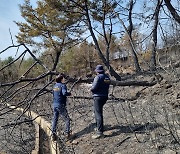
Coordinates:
[15,70]
[57,25]
[9,73]
[101,8]
[79,60]
[8,60]
[25,66]
[46,26]
[67,61]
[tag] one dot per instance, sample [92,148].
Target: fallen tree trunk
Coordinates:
[118,83]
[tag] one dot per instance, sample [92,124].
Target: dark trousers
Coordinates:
[98,111]
[64,114]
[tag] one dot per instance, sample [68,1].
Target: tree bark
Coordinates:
[154,35]
[119,83]
[106,63]
[130,29]
[172,10]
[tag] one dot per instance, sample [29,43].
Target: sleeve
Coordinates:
[95,84]
[64,91]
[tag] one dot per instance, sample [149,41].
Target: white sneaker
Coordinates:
[95,129]
[97,136]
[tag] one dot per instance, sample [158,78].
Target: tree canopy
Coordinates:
[58,25]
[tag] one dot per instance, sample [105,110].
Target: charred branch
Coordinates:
[172,10]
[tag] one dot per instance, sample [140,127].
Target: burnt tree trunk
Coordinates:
[172,10]
[104,60]
[130,29]
[154,35]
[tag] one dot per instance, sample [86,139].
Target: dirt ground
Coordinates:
[139,120]
[16,137]
[148,124]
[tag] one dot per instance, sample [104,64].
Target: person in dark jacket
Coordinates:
[60,94]
[100,90]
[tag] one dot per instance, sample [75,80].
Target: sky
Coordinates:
[9,12]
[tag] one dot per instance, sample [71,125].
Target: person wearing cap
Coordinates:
[100,90]
[60,94]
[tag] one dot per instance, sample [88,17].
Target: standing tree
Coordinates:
[130,30]
[154,34]
[102,13]
[97,17]
[46,27]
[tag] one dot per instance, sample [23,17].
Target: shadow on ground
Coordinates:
[138,128]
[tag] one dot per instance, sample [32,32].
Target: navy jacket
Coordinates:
[59,95]
[100,85]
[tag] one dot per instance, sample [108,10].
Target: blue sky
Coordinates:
[9,12]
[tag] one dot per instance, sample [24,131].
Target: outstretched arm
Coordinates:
[64,91]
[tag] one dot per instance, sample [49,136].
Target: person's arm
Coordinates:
[95,84]
[64,91]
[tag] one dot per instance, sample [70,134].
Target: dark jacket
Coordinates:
[59,95]
[100,85]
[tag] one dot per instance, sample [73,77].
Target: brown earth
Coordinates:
[138,120]
[147,122]
[16,137]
